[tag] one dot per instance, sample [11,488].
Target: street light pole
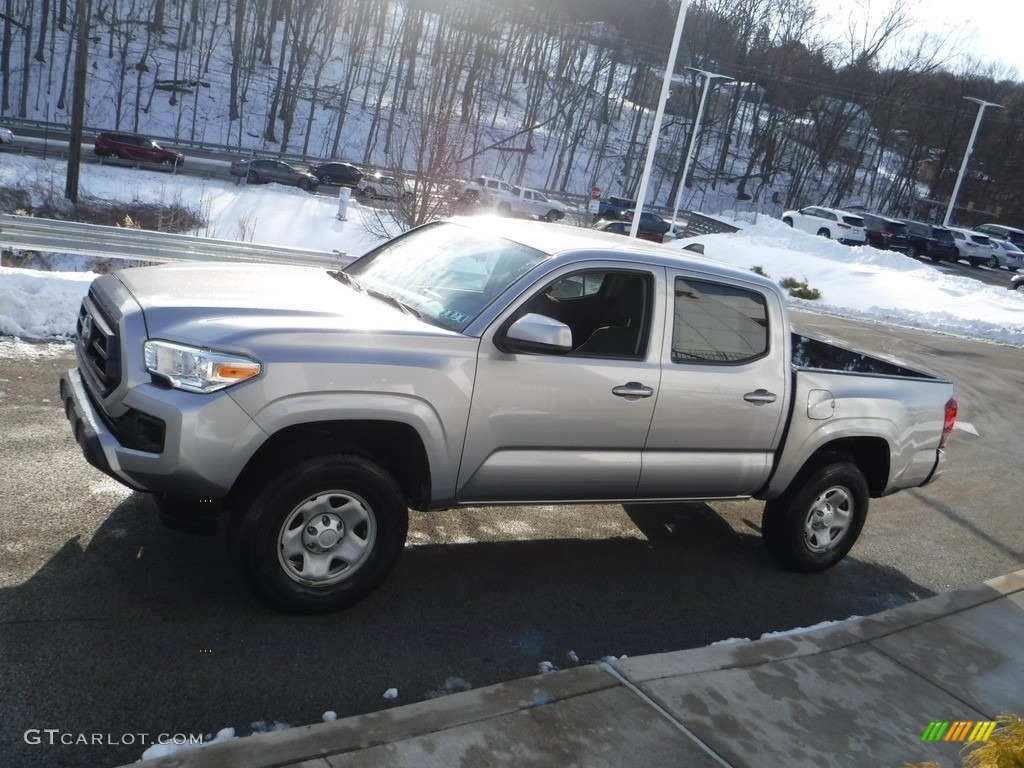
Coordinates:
[970,145]
[659,114]
[708,77]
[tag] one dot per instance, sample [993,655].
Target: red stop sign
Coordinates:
[595,193]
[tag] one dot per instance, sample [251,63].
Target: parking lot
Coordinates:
[111,624]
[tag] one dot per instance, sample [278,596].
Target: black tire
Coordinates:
[116,155]
[912,251]
[552,216]
[504,209]
[817,520]
[326,179]
[824,233]
[167,161]
[369,193]
[252,177]
[992,262]
[788,221]
[321,533]
[304,184]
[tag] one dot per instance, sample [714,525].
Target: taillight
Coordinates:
[948,421]
[844,226]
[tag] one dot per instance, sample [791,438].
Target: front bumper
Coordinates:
[98,444]
[206,444]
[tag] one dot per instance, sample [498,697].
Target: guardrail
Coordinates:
[28,233]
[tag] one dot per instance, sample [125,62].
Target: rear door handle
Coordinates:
[632,390]
[760,397]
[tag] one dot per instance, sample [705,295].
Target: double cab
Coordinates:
[481,361]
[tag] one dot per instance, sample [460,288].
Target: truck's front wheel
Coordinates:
[321,533]
[816,521]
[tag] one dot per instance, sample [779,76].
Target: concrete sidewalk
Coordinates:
[860,693]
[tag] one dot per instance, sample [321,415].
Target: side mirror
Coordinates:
[536,333]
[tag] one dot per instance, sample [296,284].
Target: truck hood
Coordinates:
[209,304]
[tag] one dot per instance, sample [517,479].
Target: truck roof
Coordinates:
[559,240]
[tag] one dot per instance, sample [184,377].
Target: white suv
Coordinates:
[828,222]
[974,247]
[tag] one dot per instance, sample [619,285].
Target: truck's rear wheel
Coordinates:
[322,533]
[814,524]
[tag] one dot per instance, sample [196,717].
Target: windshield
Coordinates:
[446,273]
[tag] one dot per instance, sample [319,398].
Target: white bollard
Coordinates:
[343,195]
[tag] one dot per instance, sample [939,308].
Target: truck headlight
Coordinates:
[197,369]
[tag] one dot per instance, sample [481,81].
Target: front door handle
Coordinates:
[760,397]
[632,390]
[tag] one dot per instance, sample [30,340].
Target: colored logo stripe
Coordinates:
[935,731]
[959,730]
[982,731]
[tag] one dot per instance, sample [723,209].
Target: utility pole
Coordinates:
[708,77]
[652,145]
[78,100]
[967,154]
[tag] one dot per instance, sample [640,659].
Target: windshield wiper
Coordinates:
[397,303]
[347,279]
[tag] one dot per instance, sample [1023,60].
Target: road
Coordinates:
[112,625]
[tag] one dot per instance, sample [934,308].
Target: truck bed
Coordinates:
[815,354]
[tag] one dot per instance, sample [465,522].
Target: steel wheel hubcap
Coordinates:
[326,538]
[828,520]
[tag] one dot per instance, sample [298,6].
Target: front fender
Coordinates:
[442,444]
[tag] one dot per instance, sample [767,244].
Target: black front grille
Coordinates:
[98,346]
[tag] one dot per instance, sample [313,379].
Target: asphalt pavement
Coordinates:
[111,624]
[910,684]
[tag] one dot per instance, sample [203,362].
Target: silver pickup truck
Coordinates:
[481,362]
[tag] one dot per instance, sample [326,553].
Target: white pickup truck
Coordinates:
[530,203]
[507,200]
[476,362]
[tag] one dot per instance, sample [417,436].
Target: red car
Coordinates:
[131,146]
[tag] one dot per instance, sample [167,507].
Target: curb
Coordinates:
[295,745]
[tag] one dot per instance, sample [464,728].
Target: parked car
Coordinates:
[376,185]
[132,146]
[884,233]
[1007,255]
[930,241]
[974,247]
[341,174]
[487,189]
[531,202]
[1017,282]
[838,225]
[261,171]
[619,227]
[1003,232]
[6,135]
[649,222]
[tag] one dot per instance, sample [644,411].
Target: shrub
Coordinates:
[799,289]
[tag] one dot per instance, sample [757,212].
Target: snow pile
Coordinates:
[859,282]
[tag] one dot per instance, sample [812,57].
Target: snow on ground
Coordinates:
[859,282]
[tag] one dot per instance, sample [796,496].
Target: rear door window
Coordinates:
[715,323]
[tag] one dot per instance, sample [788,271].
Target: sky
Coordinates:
[989,27]
[858,282]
